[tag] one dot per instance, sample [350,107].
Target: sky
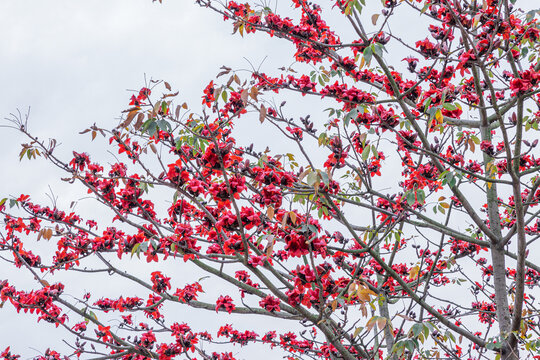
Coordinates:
[70,64]
[75,63]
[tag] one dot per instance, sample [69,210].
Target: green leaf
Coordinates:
[427,330]
[374,151]
[411,198]
[325,178]
[348,9]
[164,125]
[135,249]
[365,153]
[416,329]
[178,143]
[426,106]
[421,196]
[452,181]
[368,54]
[312,178]
[322,139]
[350,115]
[450,107]
[378,49]
[152,127]
[324,210]
[448,178]
[92,315]
[410,345]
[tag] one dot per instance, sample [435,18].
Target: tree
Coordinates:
[402,227]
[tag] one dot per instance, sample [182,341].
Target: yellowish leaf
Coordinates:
[363,309]
[47,234]
[284,221]
[352,288]
[254,92]
[364,294]
[471,144]
[371,323]
[139,122]
[413,273]
[439,116]
[129,118]
[292,214]
[270,247]
[270,212]
[476,20]
[262,114]
[244,96]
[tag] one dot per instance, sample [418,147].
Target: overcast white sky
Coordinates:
[73,62]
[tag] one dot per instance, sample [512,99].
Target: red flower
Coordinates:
[226,303]
[209,97]
[160,282]
[104,333]
[139,99]
[270,303]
